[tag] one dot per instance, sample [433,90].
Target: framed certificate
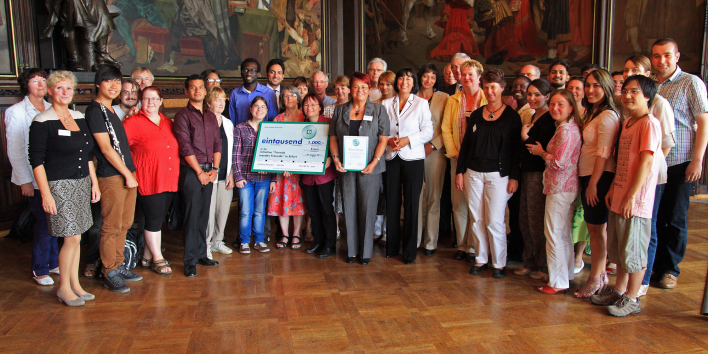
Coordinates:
[291,146]
[355,152]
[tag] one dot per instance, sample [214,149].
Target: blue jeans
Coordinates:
[652,243]
[252,200]
[45,252]
[672,221]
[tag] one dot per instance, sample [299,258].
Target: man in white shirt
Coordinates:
[375,68]
[128,99]
[275,71]
[320,81]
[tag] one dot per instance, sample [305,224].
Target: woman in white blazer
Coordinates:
[411,127]
[223,192]
[435,160]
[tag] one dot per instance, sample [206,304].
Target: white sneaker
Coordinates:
[245,249]
[222,248]
[261,247]
[54,271]
[643,290]
[46,281]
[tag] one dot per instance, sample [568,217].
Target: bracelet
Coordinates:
[377,158]
[200,173]
[335,156]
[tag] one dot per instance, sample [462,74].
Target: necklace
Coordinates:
[491,114]
[356,110]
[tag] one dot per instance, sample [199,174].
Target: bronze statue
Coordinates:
[86,25]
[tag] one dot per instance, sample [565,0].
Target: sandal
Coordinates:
[145,263]
[282,243]
[295,245]
[592,286]
[160,266]
[90,271]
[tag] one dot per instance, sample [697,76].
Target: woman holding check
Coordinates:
[360,189]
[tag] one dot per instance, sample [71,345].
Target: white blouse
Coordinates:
[414,122]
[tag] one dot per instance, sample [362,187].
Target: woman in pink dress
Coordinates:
[286,200]
[457,18]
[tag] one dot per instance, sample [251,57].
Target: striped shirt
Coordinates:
[687,95]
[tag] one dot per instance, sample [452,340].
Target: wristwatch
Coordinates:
[215,169]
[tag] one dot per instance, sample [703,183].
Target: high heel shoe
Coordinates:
[71,303]
[551,291]
[86,296]
[592,286]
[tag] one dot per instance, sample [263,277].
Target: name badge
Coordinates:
[63,132]
[369,118]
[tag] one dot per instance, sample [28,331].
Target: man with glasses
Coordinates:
[320,81]
[128,99]
[275,73]
[143,76]
[242,96]
[375,68]
[455,63]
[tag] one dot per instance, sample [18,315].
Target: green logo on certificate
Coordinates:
[309,132]
[355,142]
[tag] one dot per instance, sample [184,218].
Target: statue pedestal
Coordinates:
[84,77]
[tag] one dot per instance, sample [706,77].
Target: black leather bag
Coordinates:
[23,228]
[174,213]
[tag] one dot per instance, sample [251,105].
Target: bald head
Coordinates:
[530,71]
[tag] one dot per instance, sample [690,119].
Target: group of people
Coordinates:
[612,167]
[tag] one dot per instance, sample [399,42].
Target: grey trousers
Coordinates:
[360,197]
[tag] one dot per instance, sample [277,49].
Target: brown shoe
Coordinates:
[668,281]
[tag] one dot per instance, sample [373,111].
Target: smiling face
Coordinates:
[493,91]
[144,79]
[469,78]
[109,88]
[151,102]
[448,75]
[319,84]
[217,105]
[593,91]
[428,80]
[213,80]
[558,76]
[275,75]
[311,109]
[290,100]
[375,70]
[37,86]
[560,108]
[196,91]
[619,81]
[342,93]
[664,59]
[455,66]
[577,88]
[62,92]
[536,99]
[633,98]
[360,91]
[128,95]
[519,89]
[386,89]
[259,109]
[249,73]
[405,84]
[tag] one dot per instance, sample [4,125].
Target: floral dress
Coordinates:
[287,199]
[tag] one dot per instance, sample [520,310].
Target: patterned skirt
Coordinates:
[73,202]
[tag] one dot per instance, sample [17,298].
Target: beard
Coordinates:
[557,85]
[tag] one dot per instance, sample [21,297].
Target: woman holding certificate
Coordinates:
[358,136]
[411,127]
[286,200]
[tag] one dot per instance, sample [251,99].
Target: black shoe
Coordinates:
[190,271]
[351,259]
[314,249]
[115,283]
[128,275]
[429,253]
[364,261]
[408,261]
[469,257]
[459,255]
[454,244]
[391,255]
[326,252]
[499,273]
[208,262]
[478,270]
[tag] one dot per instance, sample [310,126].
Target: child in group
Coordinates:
[631,197]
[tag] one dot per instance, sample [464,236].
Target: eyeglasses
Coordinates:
[632,91]
[289,95]
[146,79]
[151,99]
[211,81]
[246,71]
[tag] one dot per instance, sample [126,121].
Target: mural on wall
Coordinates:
[6,56]
[506,34]
[183,37]
[639,23]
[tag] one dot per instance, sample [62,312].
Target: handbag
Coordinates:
[23,228]
[175,218]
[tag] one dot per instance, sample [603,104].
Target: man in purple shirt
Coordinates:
[197,132]
[242,96]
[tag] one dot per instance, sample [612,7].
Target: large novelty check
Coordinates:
[289,146]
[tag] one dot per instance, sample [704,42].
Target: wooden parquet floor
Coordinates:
[287,301]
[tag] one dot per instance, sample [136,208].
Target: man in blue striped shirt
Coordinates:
[687,95]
